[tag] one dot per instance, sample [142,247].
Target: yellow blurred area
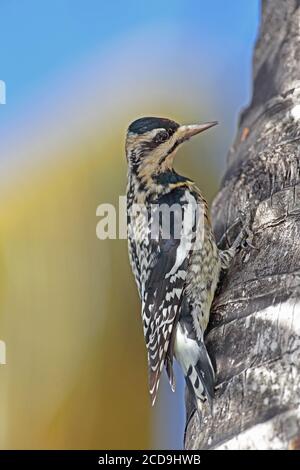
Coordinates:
[75,374]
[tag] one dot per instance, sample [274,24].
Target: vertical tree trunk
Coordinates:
[254,335]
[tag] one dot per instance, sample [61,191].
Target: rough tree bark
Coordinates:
[254,335]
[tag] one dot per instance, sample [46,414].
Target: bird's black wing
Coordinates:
[166,280]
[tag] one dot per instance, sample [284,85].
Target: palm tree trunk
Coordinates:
[254,335]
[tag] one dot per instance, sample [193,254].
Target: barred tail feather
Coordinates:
[170,372]
[202,376]
[154,377]
[196,364]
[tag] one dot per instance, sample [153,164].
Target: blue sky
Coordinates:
[38,38]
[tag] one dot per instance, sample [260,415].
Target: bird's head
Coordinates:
[152,142]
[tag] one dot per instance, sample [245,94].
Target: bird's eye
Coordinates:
[161,136]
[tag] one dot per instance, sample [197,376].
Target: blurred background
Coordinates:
[76,73]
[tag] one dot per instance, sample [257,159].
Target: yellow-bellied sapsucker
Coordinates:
[173,254]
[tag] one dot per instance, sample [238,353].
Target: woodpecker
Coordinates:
[176,272]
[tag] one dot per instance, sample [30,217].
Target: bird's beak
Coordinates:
[186,132]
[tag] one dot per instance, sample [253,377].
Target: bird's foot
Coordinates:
[246,234]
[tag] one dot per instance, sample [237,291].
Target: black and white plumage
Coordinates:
[176,272]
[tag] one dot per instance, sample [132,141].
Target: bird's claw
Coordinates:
[247,234]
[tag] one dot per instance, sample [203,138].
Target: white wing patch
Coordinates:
[187,233]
